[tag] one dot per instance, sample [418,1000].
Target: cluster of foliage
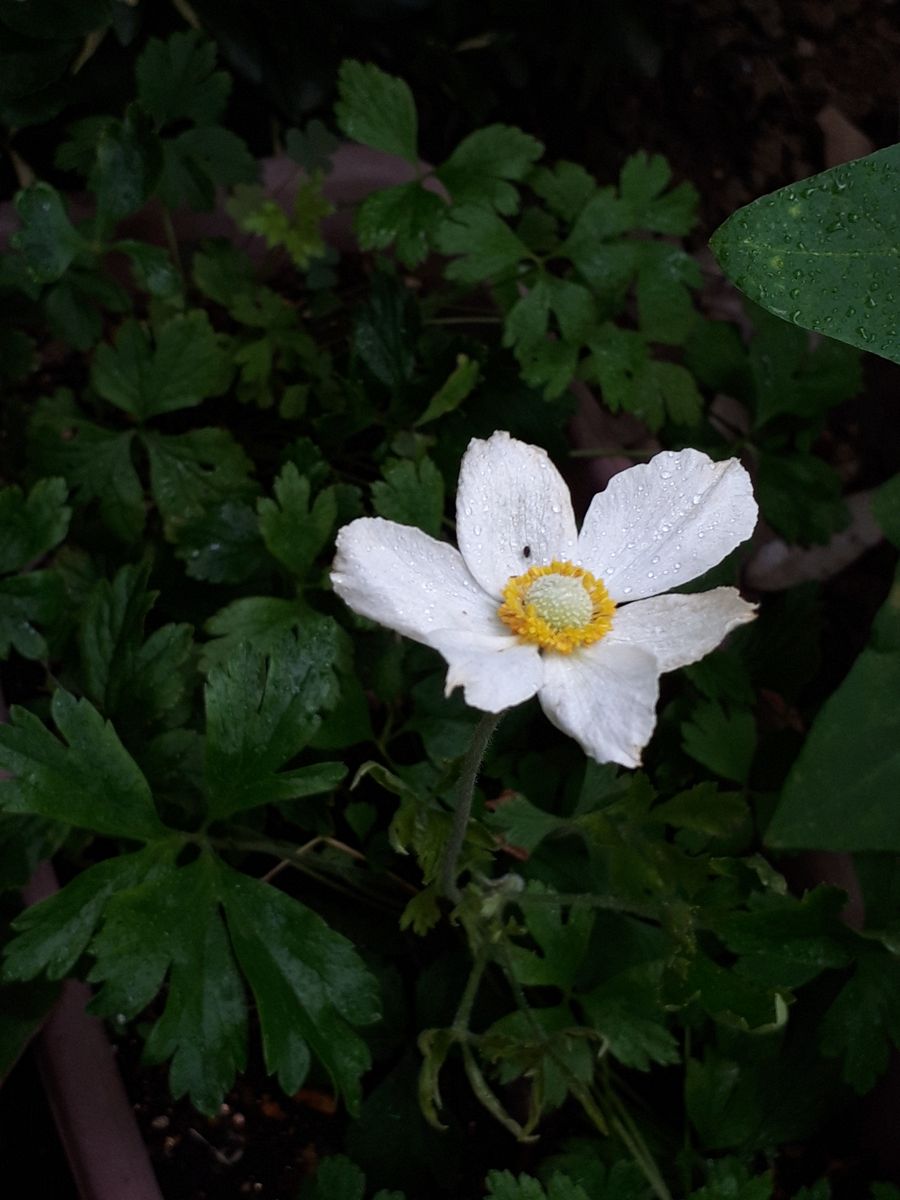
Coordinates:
[186,427]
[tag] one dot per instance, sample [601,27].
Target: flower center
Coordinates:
[557,607]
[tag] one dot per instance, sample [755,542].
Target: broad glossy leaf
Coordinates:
[822,253]
[843,792]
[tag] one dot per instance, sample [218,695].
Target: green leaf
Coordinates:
[48,19]
[789,377]
[487,246]
[502,1185]
[623,1180]
[46,238]
[732,998]
[127,164]
[127,677]
[665,311]
[411,493]
[24,1007]
[376,109]
[800,496]
[298,231]
[26,601]
[293,529]
[184,364]
[312,147]
[456,388]
[408,215]
[784,941]
[192,472]
[310,985]
[169,928]
[53,934]
[618,359]
[198,161]
[665,390]
[823,253]
[261,621]
[484,166]
[24,843]
[642,181]
[723,741]
[385,331]
[565,188]
[153,269]
[843,791]
[729,1179]
[261,710]
[222,544]
[30,527]
[91,782]
[563,941]
[704,809]
[336,1178]
[606,265]
[864,1020]
[177,80]
[628,1015]
[523,823]
[97,463]
[17,355]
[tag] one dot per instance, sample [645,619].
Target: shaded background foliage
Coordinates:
[734,95]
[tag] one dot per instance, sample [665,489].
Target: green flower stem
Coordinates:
[471,765]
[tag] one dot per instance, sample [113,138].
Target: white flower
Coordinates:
[528,605]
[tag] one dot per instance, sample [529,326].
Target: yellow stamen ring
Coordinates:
[575,611]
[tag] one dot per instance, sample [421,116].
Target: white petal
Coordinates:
[605,698]
[678,630]
[404,579]
[495,671]
[512,510]
[667,521]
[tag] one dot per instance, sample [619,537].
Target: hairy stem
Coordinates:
[465,792]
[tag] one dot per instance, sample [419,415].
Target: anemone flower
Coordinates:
[528,605]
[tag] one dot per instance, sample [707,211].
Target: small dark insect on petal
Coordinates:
[526,551]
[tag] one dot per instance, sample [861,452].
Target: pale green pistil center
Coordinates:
[561,600]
